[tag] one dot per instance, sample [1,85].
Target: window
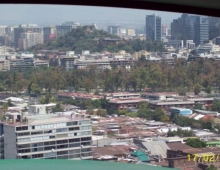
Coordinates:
[62,146]
[85,127]
[24,146]
[24,150]
[73,128]
[86,139]
[50,154]
[62,153]
[86,143]
[24,140]
[74,140]
[23,134]
[36,144]
[22,128]
[37,156]
[62,157]
[62,130]
[49,143]
[47,131]
[74,145]
[37,149]
[37,133]
[62,141]
[74,156]
[74,151]
[71,123]
[49,147]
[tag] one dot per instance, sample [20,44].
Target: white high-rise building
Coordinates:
[46,136]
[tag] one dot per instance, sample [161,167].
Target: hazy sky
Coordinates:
[55,14]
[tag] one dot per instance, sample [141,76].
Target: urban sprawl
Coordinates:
[156,107]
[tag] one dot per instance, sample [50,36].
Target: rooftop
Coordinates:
[45,119]
[133,100]
[178,146]
[70,164]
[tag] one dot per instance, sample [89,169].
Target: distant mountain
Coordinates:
[89,38]
[79,39]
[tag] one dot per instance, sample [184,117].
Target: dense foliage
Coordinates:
[181,133]
[197,124]
[158,76]
[82,38]
[195,143]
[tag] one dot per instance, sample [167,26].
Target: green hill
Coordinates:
[82,38]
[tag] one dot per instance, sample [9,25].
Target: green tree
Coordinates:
[57,108]
[101,112]
[195,143]
[158,114]
[211,167]
[5,107]
[216,105]
[198,106]
[197,89]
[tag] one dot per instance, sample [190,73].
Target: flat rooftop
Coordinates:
[45,119]
[171,103]
[79,95]
[134,100]
[36,164]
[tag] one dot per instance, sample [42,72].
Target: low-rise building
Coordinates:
[77,96]
[168,104]
[181,111]
[121,95]
[120,104]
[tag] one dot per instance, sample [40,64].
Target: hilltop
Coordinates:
[89,38]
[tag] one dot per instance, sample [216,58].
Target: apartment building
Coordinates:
[48,136]
[29,39]
[23,29]
[4,65]
[22,64]
[100,63]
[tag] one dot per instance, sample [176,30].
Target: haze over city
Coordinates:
[109,84]
[55,14]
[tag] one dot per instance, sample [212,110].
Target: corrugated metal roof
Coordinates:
[36,164]
[157,147]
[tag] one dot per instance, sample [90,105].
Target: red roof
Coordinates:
[207,117]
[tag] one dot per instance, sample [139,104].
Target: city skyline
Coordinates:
[22,14]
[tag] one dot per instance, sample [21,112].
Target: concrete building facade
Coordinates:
[47,137]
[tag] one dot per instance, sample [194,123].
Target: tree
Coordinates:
[208,89]
[198,106]
[57,108]
[195,143]
[101,112]
[122,112]
[197,89]
[131,114]
[5,107]
[216,105]
[9,103]
[211,167]
[158,114]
